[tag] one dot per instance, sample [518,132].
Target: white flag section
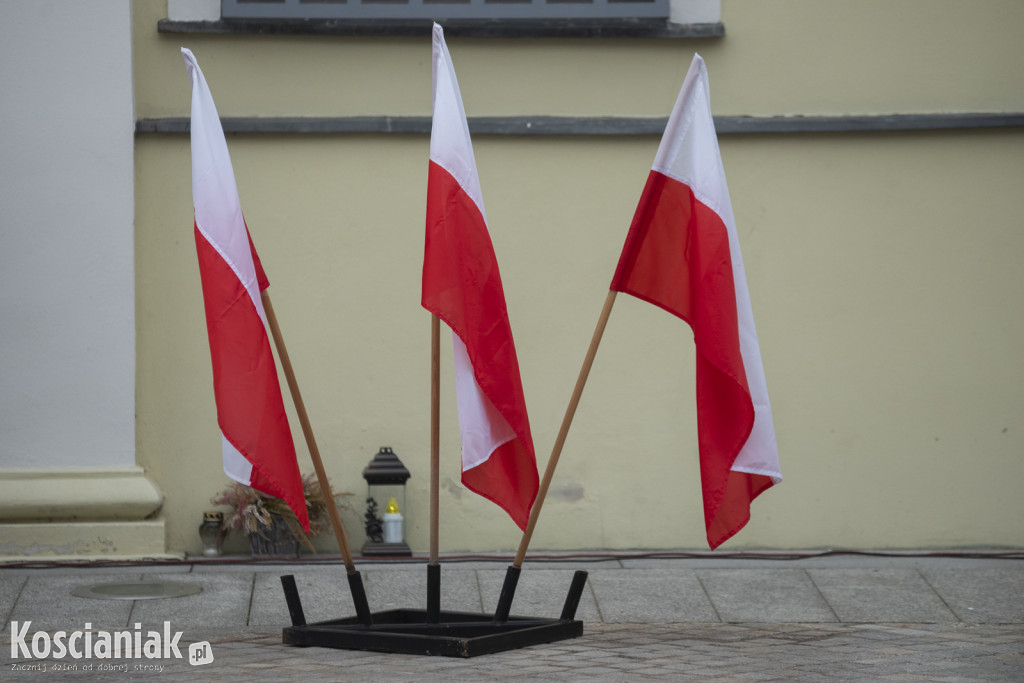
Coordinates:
[462,286]
[256,440]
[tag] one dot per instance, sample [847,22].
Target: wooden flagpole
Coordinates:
[512,577]
[354,579]
[434,566]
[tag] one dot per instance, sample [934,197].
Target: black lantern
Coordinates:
[385,505]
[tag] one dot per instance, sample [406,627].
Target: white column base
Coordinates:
[55,541]
[79,513]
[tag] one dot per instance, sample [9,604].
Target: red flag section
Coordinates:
[462,287]
[257,443]
[682,254]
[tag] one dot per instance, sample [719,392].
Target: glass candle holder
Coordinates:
[211,532]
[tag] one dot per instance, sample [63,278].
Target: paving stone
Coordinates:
[981,595]
[244,565]
[99,568]
[10,589]
[645,595]
[880,595]
[769,594]
[46,601]
[223,602]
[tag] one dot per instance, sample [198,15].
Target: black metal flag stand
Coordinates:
[449,634]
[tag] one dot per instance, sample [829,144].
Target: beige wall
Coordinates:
[882,268]
[778,57]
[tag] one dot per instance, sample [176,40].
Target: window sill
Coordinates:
[593,125]
[476,28]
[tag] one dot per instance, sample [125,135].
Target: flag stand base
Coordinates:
[454,634]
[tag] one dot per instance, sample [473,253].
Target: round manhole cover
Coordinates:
[136,590]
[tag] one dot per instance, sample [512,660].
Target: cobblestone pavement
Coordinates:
[903,618]
[622,652]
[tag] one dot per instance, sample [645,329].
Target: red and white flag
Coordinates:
[462,287]
[682,254]
[256,440]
